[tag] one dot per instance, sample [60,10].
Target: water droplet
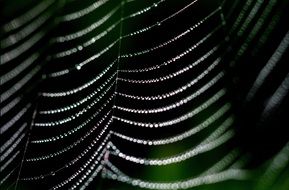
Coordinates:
[158,23]
[79,48]
[78,67]
[155,4]
[52,173]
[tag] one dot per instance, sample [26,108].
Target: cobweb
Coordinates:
[135,94]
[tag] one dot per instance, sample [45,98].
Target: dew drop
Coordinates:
[79,48]
[78,67]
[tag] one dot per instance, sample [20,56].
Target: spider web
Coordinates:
[144,94]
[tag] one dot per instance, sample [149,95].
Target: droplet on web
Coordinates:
[78,67]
